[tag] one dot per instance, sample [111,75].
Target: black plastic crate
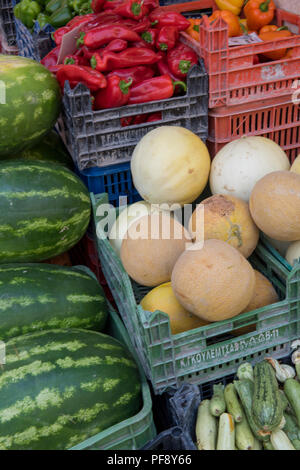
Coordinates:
[97,138]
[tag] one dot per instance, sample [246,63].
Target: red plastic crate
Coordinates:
[277,118]
[233,79]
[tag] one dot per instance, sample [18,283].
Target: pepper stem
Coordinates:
[93,62]
[124,86]
[179,83]
[79,41]
[264,7]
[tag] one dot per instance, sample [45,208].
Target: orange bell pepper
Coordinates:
[244,26]
[193,29]
[273,35]
[234,28]
[259,13]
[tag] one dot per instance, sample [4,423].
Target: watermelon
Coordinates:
[29,101]
[35,297]
[50,149]
[61,387]
[44,211]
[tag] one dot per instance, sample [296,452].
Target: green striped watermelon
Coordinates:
[61,387]
[29,103]
[35,297]
[44,211]
[50,149]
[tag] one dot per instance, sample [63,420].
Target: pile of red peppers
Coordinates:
[128,52]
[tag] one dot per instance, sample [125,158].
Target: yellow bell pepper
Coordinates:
[235,6]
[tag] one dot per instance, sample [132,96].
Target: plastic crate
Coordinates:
[277,119]
[203,354]
[116,181]
[7,19]
[132,433]
[97,138]
[5,48]
[171,439]
[233,79]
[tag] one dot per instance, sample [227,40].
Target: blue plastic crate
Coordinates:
[115,180]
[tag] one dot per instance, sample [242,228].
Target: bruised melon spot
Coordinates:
[220,205]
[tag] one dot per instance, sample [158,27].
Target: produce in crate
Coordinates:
[275,205]
[226,218]
[40,297]
[126,217]
[215,282]
[170,165]
[163,298]
[293,253]
[49,149]
[234,28]
[32,104]
[296,165]
[151,248]
[240,164]
[45,210]
[61,387]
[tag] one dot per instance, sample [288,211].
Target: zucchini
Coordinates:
[245,390]
[292,391]
[244,439]
[292,430]
[206,427]
[245,371]
[217,402]
[268,445]
[257,445]
[280,441]
[226,433]
[284,400]
[267,406]
[232,403]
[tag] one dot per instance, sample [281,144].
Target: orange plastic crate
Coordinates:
[277,118]
[233,79]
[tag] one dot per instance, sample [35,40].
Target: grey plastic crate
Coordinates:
[8,22]
[97,139]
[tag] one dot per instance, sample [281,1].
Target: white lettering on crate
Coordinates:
[272,72]
[225,350]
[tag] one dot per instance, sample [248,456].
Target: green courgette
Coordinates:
[292,430]
[226,433]
[206,427]
[280,440]
[268,445]
[232,403]
[244,439]
[292,391]
[245,390]
[217,402]
[267,408]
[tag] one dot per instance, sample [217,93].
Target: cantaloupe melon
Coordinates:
[151,247]
[215,282]
[225,218]
[264,294]
[293,253]
[275,205]
[162,298]
[295,168]
[170,165]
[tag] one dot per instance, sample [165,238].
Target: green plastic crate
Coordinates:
[132,433]
[206,353]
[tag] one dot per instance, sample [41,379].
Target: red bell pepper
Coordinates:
[140,119]
[136,74]
[151,4]
[169,18]
[79,74]
[108,61]
[102,19]
[134,9]
[149,36]
[97,5]
[115,94]
[77,20]
[51,58]
[116,45]
[155,117]
[72,60]
[143,44]
[110,5]
[164,69]
[59,34]
[141,26]
[126,121]
[157,88]
[101,35]
[180,60]
[167,38]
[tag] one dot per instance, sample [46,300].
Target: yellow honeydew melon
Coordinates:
[240,164]
[295,168]
[170,165]
[151,247]
[215,282]
[225,218]
[293,253]
[275,205]
[128,215]
[264,294]
[162,298]
[280,246]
